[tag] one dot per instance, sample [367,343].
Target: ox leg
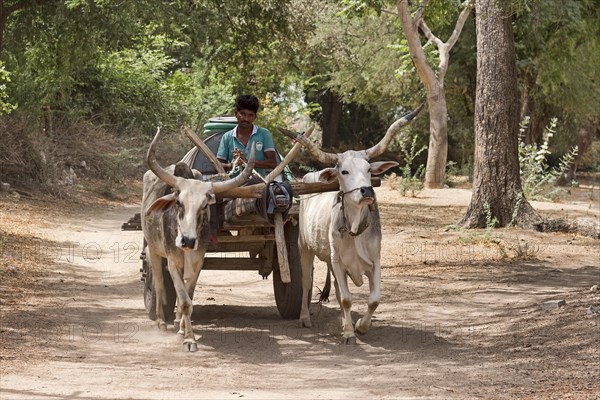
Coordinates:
[185,308]
[364,323]
[159,288]
[345,300]
[336,285]
[193,262]
[306,260]
[177,321]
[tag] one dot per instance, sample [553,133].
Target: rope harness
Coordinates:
[364,224]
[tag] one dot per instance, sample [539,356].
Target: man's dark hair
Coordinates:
[247,102]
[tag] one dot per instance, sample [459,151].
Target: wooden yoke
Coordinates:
[256,190]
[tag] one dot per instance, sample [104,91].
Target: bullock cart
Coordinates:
[253,227]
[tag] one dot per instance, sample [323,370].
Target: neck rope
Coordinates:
[364,224]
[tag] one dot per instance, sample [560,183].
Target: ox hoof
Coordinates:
[162,327]
[304,323]
[180,332]
[190,347]
[362,328]
[349,340]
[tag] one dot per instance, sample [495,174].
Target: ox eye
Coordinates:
[344,172]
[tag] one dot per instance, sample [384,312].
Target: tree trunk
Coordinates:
[332,115]
[496,180]
[537,125]
[437,151]
[584,140]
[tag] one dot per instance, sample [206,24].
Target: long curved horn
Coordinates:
[317,153]
[288,157]
[155,167]
[380,147]
[238,180]
[204,149]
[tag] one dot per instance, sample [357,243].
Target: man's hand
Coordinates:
[239,157]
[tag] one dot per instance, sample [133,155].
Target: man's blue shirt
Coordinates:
[261,136]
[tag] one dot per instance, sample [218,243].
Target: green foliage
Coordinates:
[537,177]
[366,60]
[409,182]
[490,222]
[558,51]
[287,110]
[361,8]
[135,91]
[5,106]
[135,65]
[212,94]
[128,66]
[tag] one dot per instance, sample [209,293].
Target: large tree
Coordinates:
[434,83]
[496,179]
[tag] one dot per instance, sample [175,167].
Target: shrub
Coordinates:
[32,156]
[537,176]
[5,106]
[410,182]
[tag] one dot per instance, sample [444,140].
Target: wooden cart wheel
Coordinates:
[288,296]
[150,294]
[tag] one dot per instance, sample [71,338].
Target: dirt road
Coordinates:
[460,316]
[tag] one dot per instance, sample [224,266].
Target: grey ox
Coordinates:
[343,229]
[176,227]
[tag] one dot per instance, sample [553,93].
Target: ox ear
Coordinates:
[183,170]
[212,199]
[162,204]
[328,175]
[380,167]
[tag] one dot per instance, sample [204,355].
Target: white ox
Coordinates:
[343,229]
[176,227]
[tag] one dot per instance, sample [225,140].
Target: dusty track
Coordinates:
[459,317]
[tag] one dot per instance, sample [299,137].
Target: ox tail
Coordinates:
[324,297]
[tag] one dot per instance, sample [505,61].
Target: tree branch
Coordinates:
[420,11]
[442,47]
[429,35]
[462,18]
[445,50]
[414,45]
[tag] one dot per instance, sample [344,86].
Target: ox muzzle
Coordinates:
[186,242]
[368,194]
